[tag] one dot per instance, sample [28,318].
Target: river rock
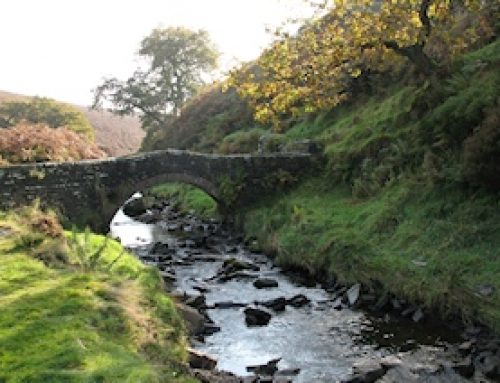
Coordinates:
[200,360]
[232,265]
[196,302]
[337,304]
[299,300]
[195,322]
[214,376]
[263,283]
[256,317]
[467,346]
[489,365]
[238,275]
[161,248]
[228,305]
[288,372]
[399,374]
[168,277]
[465,367]
[278,304]
[269,368]
[417,316]
[210,329]
[353,294]
[367,371]
[135,207]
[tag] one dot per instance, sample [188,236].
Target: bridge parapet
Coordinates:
[91,191]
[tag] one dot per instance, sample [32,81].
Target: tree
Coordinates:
[40,110]
[178,63]
[316,69]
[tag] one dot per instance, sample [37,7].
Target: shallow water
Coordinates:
[320,340]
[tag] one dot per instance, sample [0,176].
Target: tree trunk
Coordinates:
[415,53]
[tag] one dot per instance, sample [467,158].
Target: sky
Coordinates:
[64,48]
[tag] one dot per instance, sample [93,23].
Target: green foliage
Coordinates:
[231,186]
[40,110]
[88,258]
[187,198]
[67,325]
[178,61]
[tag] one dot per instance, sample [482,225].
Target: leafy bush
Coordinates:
[39,110]
[39,143]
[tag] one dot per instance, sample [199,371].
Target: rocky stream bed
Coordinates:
[250,321]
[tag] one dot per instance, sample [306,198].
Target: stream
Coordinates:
[313,331]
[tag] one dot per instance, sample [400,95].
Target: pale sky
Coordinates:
[64,48]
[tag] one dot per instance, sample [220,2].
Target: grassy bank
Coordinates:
[187,198]
[436,246]
[77,308]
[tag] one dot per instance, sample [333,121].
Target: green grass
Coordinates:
[456,234]
[187,198]
[61,323]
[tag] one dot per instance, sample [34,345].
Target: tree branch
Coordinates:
[424,16]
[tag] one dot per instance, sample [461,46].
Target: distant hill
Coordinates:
[116,135]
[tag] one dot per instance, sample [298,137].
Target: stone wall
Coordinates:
[90,192]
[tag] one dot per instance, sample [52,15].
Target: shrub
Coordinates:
[38,143]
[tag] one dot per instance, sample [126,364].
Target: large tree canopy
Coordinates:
[316,68]
[178,62]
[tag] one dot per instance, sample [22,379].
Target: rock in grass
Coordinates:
[264,283]
[256,317]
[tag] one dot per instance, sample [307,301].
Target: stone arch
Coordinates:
[200,182]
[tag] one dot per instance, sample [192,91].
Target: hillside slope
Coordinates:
[116,135]
[409,194]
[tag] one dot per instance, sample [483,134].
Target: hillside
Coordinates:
[116,135]
[407,195]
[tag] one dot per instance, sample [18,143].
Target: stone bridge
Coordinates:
[90,192]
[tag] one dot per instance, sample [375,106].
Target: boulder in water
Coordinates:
[256,317]
[263,283]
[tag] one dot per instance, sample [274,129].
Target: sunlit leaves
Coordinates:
[316,68]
